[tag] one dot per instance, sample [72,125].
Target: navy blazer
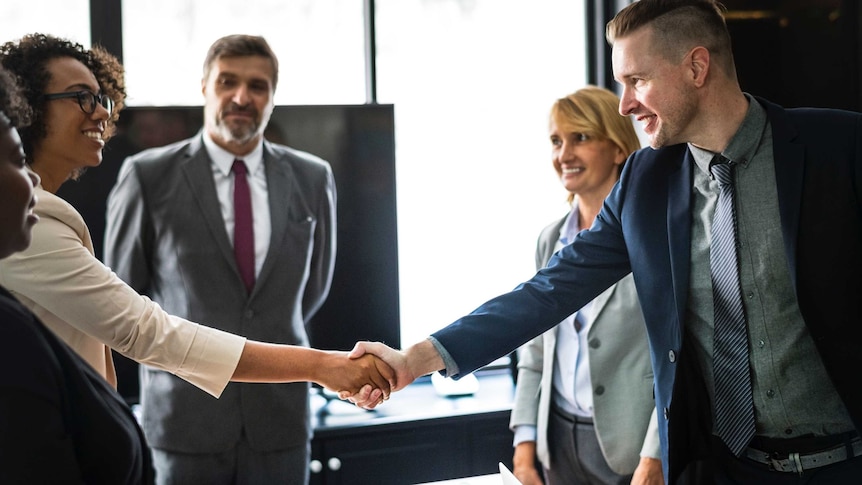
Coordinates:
[645,227]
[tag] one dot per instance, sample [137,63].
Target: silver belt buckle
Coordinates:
[777,464]
[797,462]
[793,463]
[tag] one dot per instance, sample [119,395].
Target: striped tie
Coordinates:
[734,404]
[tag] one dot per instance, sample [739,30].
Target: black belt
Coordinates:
[572,418]
[797,462]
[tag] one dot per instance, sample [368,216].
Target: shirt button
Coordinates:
[666,413]
[671,356]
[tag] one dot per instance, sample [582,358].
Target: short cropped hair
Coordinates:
[239,45]
[678,26]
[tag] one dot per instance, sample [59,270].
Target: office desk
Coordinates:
[415,437]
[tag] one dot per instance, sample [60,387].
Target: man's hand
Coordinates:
[648,472]
[419,359]
[396,359]
[353,375]
[366,397]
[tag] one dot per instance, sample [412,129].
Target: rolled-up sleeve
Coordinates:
[82,300]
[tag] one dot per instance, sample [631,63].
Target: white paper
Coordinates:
[507,476]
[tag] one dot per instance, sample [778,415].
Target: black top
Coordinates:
[60,421]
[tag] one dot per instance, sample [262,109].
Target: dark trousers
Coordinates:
[576,457]
[238,466]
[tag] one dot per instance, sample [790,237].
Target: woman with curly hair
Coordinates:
[59,420]
[76,95]
[37,59]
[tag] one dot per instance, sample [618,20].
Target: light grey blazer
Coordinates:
[166,237]
[624,413]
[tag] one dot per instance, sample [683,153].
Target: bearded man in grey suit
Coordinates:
[254,259]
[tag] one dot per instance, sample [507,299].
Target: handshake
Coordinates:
[368,374]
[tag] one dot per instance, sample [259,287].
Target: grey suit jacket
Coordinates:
[166,237]
[624,412]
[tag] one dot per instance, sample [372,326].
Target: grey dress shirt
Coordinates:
[793,395]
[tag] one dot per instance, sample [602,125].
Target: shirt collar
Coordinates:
[223,159]
[745,141]
[572,225]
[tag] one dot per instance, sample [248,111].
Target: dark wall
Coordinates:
[792,52]
[798,52]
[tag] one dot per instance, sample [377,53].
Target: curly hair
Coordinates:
[27,59]
[13,106]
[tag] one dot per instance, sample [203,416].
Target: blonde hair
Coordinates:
[594,111]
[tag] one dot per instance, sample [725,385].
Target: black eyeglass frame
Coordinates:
[85,97]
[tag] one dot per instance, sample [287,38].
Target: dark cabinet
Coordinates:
[416,437]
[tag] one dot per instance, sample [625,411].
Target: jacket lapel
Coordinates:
[198,173]
[279,190]
[679,229]
[789,166]
[600,302]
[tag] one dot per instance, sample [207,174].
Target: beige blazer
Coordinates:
[624,412]
[91,309]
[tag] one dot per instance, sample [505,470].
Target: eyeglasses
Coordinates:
[86,100]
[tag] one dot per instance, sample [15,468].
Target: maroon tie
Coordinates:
[243,228]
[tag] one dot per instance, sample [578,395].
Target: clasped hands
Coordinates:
[372,372]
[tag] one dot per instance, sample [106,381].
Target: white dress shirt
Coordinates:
[573,388]
[222,160]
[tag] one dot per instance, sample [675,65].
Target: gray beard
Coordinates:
[238,135]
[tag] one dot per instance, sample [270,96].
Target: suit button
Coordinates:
[671,356]
[599,390]
[666,413]
[595,343]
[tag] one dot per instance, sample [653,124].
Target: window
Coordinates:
[319,43]
[69,19]
[472,82]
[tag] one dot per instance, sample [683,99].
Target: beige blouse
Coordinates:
[91,309]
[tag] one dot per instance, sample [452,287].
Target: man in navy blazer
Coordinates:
[799,204]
